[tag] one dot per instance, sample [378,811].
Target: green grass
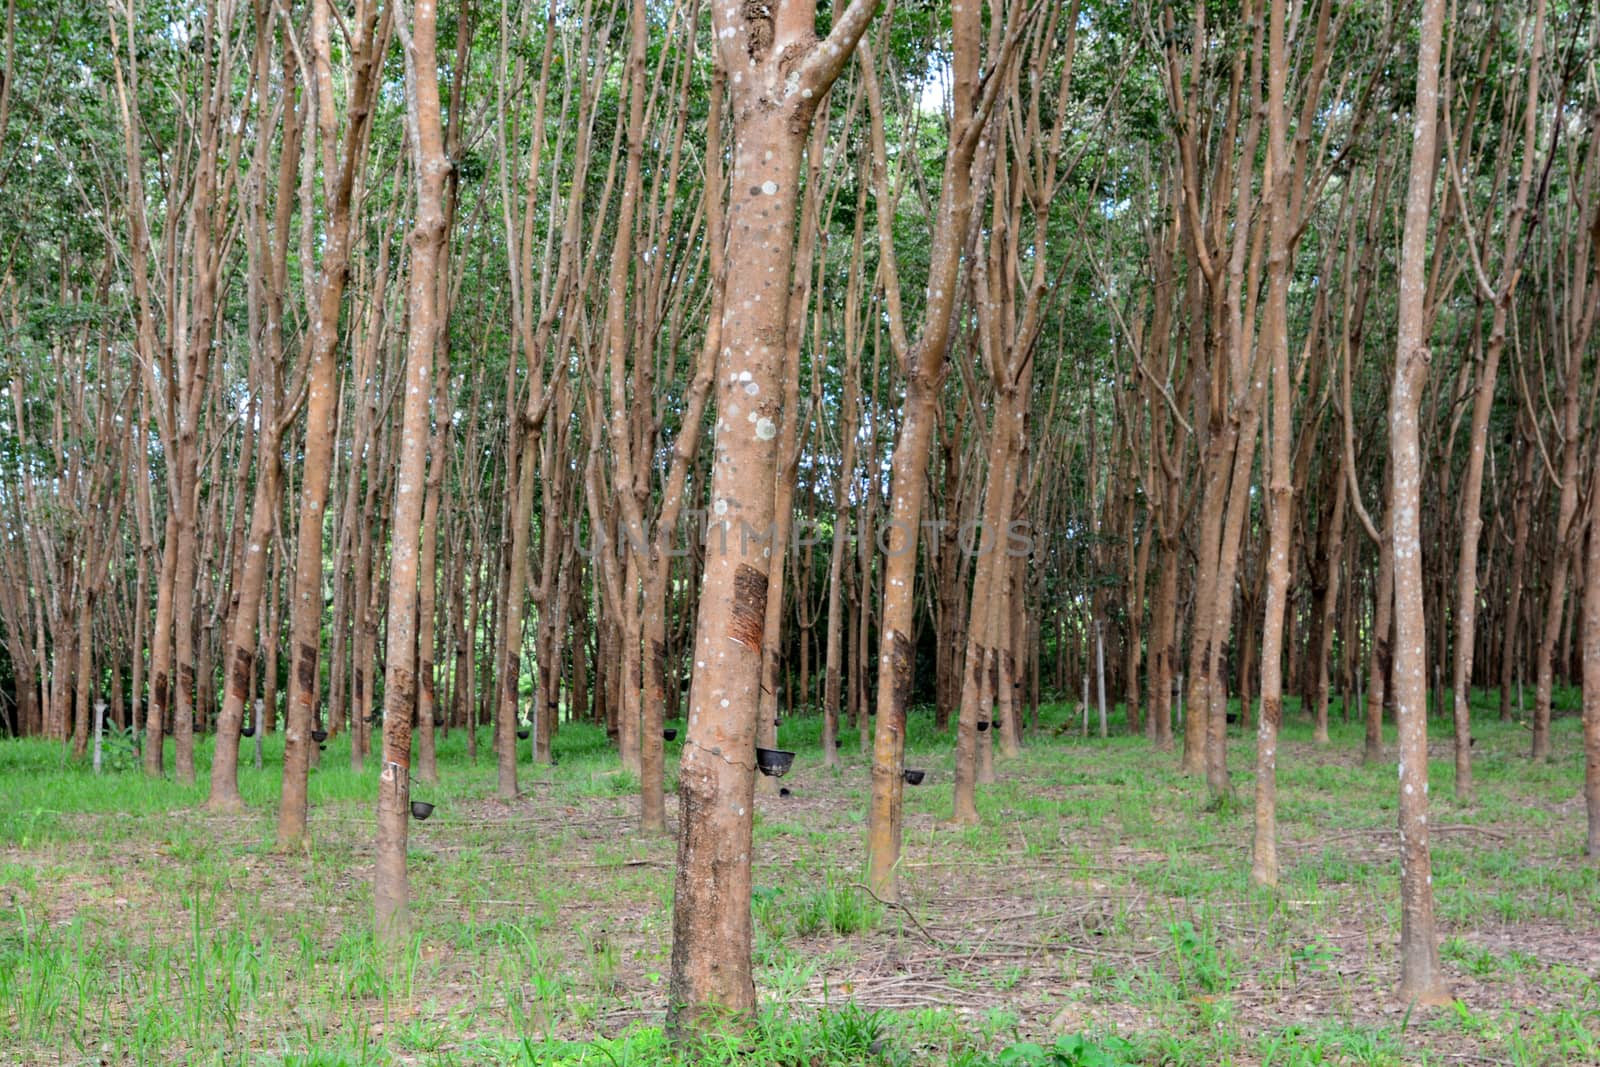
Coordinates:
[1101,914]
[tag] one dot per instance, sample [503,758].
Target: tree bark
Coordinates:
[1421,980]
[325,301]
[391,892]
[1591,677]
[268,251]
[838,617]
[1280,488]
[1466,606]
[1522,510]
[780,72]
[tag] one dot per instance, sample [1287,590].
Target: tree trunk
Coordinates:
[161,652]
[1483,402]
[711,944]
[511,637]
[1329,608]
[1591,677]
[242,636]
[391,893]
[427,710]
[924,367]
[1522,511]
[1136,601]
[1420,978]
[711,928]
[321,400]
[1381,654]
[84,671]
[838,617]
[1238,506]
[1163,643]
[268,250]
[1280,473]
[1562,550]
[271,639]
[977,692]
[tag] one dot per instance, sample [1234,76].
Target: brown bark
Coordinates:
[268,251]
[1563,549]
[624,595]
[427,711]
[1224,391]
[1579,255]
[1466,602]
[984,640]
[1333,554]
[711,929]
[684,451]
[153,354]
[1591,675]
[838,617]
[272,637]
[341,163]
[1168,465]
[364,521]
[1008,341]
[1421,980]
[431,168]
[790,445]
[161,653]
[632,432]
[1522,513]
[428,715]
[239,663]
[545,389]
[1139,552]
[783,71]
[1280,487]
[1381,655]
[924,367]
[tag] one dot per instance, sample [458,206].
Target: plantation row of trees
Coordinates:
[383,367]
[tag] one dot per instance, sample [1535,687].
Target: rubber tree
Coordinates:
[1591,677]
[1023,169]
[267,242]
[342,160]
[1499,293]
[924,367]
[1421,980]
[431,169]
[778,71]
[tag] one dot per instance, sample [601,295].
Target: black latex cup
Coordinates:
[774,762]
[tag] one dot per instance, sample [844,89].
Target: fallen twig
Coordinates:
[1381,831]
[909,913]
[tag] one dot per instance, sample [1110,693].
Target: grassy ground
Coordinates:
[1101,915]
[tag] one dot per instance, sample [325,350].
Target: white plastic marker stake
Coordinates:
[257,723]
[99,730]
[1100,670]
[1085,701]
